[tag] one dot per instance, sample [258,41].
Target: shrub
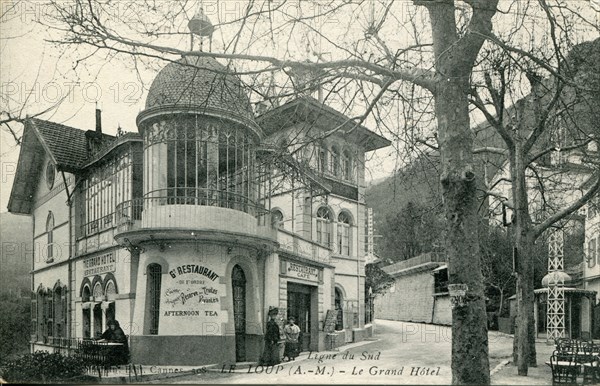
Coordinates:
[15,321]
[42,366]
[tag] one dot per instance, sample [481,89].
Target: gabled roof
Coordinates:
[66,146]
[308,109]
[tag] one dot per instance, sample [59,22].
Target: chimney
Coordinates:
[98,120]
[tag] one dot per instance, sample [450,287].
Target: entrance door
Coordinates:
[238,280]
[299,308]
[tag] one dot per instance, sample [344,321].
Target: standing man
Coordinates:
[291,332]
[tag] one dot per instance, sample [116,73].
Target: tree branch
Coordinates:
[539,229]
[542,153]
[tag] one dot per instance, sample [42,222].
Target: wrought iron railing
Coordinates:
[130,213]
[97,225]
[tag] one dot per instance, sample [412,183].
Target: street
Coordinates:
[404,353]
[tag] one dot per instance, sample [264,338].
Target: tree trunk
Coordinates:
[470,362]
[524,352]
[525,332]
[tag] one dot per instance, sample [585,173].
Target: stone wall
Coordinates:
[409,299]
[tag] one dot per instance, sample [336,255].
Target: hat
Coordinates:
[273,311]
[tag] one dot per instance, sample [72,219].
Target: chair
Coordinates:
[564,372]
[564,345]
[591,372]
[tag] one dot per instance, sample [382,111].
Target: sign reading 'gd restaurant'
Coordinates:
[192,291]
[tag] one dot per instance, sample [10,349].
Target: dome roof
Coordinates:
[198,84]
[556,277]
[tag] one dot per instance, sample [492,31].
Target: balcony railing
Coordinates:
[97,225]
[187,207]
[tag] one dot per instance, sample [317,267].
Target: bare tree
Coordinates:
[545,138]
[419,55]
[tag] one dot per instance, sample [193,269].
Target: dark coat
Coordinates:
[272,335]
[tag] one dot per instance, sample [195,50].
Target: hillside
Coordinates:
[16,253]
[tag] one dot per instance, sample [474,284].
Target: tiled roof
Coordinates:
[306,109]
[200,82]
[67,145]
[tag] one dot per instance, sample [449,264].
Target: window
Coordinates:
[87,318]
[322,160]
[34,316]
[335,162]
[324,220]
[208,166]
[153,306]
[277,217]
[347,166]
[50,233]
[58,312]
[110,290]
[440,277]
[343,234]
[591,255]
[50,175]
[97,310]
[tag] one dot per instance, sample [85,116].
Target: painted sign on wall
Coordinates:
[99,264]
[192,291]
[301,271]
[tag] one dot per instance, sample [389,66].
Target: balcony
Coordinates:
[194,213]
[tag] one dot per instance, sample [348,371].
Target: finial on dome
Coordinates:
[200,24]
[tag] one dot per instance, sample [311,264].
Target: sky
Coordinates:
[39,74]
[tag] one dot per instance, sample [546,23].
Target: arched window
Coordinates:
[97,311]
[41,314]
[238,280]
[153,304]
[58,311]
[343,233]
[110,291]
[347,165]
[324,221]
[339,324]
[87,318]
[277,218]
[335,162]
[49,313]
[50,233]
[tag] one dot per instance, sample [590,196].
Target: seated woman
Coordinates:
[114,334]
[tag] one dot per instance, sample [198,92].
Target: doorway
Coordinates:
[299,306]
[238,280]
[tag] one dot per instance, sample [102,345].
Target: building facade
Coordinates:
[419,292]
[190,230]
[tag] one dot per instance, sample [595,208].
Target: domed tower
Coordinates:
[199,229]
